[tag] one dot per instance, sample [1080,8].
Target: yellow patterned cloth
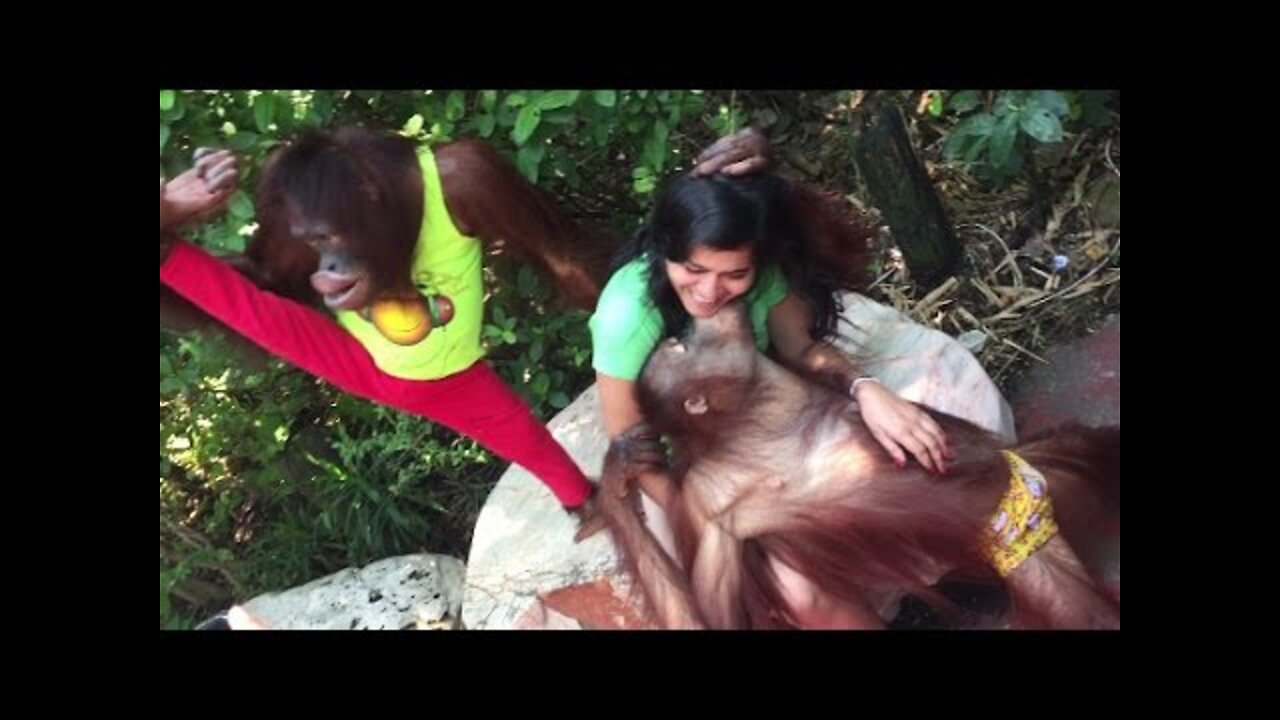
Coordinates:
[1023,522]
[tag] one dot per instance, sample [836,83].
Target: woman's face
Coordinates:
[710,279]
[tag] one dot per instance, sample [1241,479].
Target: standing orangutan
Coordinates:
[387,237]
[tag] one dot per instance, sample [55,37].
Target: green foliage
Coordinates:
[994,139]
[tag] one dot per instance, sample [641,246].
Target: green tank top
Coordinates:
[626,327]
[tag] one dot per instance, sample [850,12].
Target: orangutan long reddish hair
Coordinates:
[771,463]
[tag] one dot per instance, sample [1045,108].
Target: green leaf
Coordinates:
[322,105]
[232,241]
[673,117]
[1042,125]
[557,99]
[455,106]
[1009,101]
[176,113]
[655,150]
[164,136]
[980,124]
[414,125]
[605,98]
[980,144]
[499,315]
[528,159]
[167,99]
[965,100]
[536,350]
[526,122]
[559,400]
[243,141]
[935,104]
[1002,141]
[506,116]
[955,144]
[241,206]
[484,125]
[509,337]
[563,116]
[644,185]
[541,383]
[264,109]
[516,99]
[600,131]
[488,99]
[1051,100]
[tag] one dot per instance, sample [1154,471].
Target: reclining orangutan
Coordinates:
[772,462]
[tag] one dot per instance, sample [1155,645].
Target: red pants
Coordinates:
[474,402]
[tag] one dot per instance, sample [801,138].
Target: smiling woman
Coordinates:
[708,279]
[784,251]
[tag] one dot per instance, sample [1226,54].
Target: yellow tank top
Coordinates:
[445,262]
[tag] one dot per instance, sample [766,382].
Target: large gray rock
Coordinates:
[525,571]
[404,592]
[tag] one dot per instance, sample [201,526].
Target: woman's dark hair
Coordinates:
[763,212]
